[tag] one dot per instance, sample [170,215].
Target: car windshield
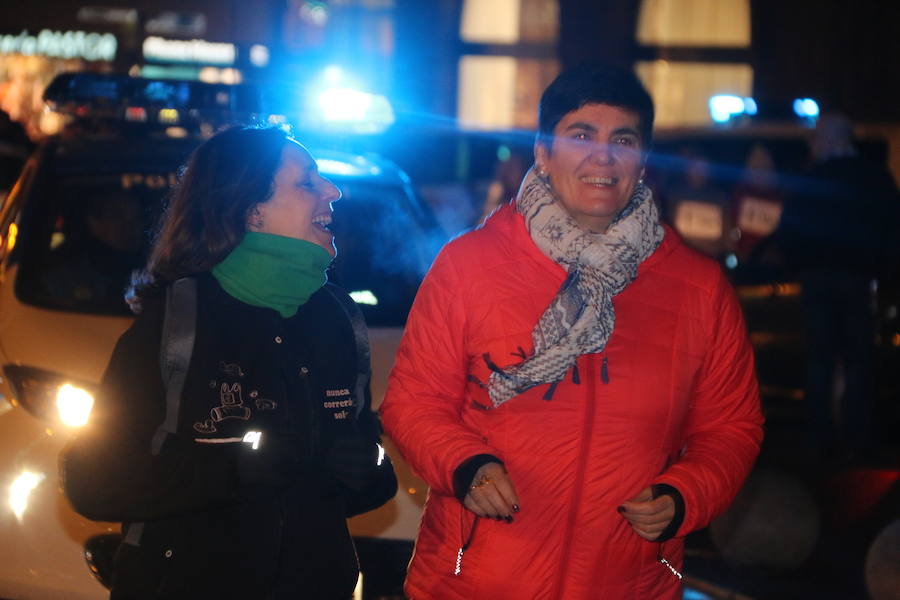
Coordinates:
[90,232]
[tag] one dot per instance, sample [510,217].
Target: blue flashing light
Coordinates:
[724,106]
[806,108]
[338,102]
[750,106]
[355,110]
[344,104]
[333,75]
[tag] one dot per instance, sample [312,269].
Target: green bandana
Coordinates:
[273,271]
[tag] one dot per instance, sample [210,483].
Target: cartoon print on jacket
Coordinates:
[263,403]
[231,407]
[231,369]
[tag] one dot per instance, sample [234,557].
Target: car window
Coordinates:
[87,236]
[89,232]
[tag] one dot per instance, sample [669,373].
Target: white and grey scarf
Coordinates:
[580,319]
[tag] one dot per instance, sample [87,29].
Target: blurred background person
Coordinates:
[502,189]
[757,202]
[697,205]
[839,235]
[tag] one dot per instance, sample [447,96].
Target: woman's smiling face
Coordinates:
[594,162]
[300,206]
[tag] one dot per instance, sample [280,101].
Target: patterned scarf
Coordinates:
[580,319]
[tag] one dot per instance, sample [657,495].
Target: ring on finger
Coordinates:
[483,480]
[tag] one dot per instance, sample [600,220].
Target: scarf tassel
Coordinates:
[493,366]
[576,379]
[477,382]
[550,391]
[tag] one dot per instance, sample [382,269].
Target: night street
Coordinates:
[450,300]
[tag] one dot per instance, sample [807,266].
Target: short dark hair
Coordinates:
[206,216]
[594,83]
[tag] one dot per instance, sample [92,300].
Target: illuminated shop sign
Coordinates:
[194,51]
[61,44]
[180,24]
[108,15]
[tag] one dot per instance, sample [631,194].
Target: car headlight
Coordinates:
[74,405]
[50,396]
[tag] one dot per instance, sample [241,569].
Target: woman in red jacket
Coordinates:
[574,383]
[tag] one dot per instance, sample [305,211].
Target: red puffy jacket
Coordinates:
[678,404]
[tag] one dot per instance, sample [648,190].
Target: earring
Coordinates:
[541,172]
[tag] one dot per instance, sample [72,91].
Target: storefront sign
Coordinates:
[108,15]
[193,51]
[61,44]
[178,24]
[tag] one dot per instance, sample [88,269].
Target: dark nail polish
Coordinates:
[621,509]
[498,518]
[508,518]
[515,508]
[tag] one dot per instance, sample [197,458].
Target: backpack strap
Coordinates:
[175,349]
[361,335]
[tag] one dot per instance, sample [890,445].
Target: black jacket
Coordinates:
[210,516]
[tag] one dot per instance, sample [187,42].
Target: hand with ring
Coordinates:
[492,494]
[480,481]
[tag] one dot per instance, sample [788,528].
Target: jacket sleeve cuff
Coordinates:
[465,473]
[664,489]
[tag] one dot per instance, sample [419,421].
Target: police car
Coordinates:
[73,228]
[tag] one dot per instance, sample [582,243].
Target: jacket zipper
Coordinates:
[459,553]
[665,562]
[579,473]
[313,415]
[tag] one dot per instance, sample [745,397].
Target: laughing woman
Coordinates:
[574,383]
[233,432]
